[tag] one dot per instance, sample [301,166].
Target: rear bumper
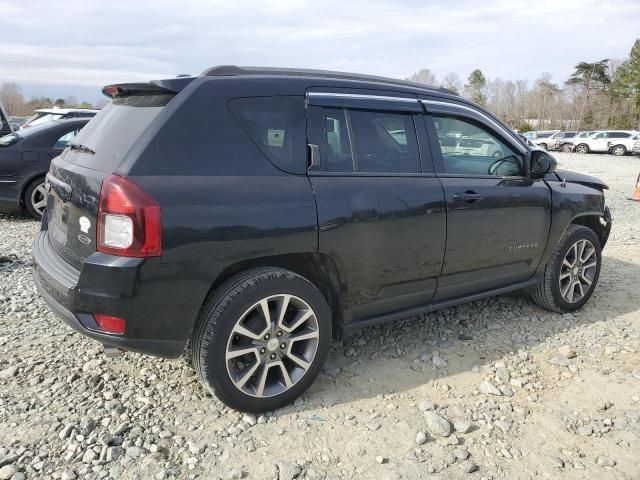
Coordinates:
[69,293]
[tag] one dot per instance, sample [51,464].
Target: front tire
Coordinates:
[261,339]
[582,148]
[619,150]
[35,198]
[544,145]
[567,148]
[572,272]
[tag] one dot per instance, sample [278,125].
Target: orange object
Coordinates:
[636,192]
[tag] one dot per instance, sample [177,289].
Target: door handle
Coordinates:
[468,197]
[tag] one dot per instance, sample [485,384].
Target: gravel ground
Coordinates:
[494,389]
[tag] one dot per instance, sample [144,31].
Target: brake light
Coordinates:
[128,220]
[109,324]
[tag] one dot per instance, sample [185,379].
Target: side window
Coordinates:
[277,126]
[336,149]
[469,149]
[601,135]
[384,142]
[619,135]
[65,139]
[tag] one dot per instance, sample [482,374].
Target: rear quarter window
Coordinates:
[277,126]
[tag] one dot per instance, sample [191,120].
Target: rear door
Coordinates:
[75,177]
[497,217]
[380,207]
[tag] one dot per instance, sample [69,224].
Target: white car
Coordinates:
[622,146]
[551,142]
[602,141]
[44,115]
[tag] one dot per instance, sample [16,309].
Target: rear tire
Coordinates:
[543,145]
[567,148]
[35,198]
[619,150]
[556,292]
[582,148]
[280,363]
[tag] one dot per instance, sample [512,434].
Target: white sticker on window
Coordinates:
[275,138]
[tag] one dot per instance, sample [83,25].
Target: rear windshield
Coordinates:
[113,131]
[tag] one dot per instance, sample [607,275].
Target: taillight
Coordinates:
[109,324]
[128,220]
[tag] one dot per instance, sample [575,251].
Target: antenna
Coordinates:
[566,169]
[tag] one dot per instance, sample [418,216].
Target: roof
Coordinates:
[233,70]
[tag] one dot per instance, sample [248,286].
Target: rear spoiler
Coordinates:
[155,87]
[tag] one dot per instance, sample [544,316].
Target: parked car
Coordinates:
[44,115]
[622,146]
[549,143]
[539,134]
[258,213]
[636,148]
[24,160]
[601,142]
[568,144]
[5,125]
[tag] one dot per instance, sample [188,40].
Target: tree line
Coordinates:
[601,94]
[16,105]
[597,95]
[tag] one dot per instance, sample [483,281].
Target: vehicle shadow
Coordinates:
[397,357]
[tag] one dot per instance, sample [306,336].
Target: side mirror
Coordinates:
[542,163]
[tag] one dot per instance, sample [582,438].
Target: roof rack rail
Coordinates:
[234,70]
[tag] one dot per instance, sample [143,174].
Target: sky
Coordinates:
[75,47]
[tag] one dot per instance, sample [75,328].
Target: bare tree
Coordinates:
[452,82]
[11,96]
[423,76]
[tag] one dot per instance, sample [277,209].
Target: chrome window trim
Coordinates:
[489,120]
[360,96]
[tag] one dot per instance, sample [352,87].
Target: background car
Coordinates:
[44,115]
[601,141]
[622,146]
[532,135]
[550,142]
[24,161]
[636,148]
[568,144]
[5,125]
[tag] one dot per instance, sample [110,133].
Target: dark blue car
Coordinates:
[24,161]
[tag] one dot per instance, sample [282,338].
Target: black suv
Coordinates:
[255,214]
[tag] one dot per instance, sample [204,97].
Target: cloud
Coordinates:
[94,43]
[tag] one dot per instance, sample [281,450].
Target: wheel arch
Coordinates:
[26,183]
[595,223]
[318,268]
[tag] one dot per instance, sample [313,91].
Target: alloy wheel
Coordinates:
[39,198]
[578,271]
[582,149]
[619,151]
[272,345]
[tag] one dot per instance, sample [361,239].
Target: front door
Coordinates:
[497,217]
[380,206]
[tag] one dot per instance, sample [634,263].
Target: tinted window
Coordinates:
[277,126]
[619,135]
[469,149]
[113,131]
[384,142]
[64,139]
[601,135]
[336,149]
